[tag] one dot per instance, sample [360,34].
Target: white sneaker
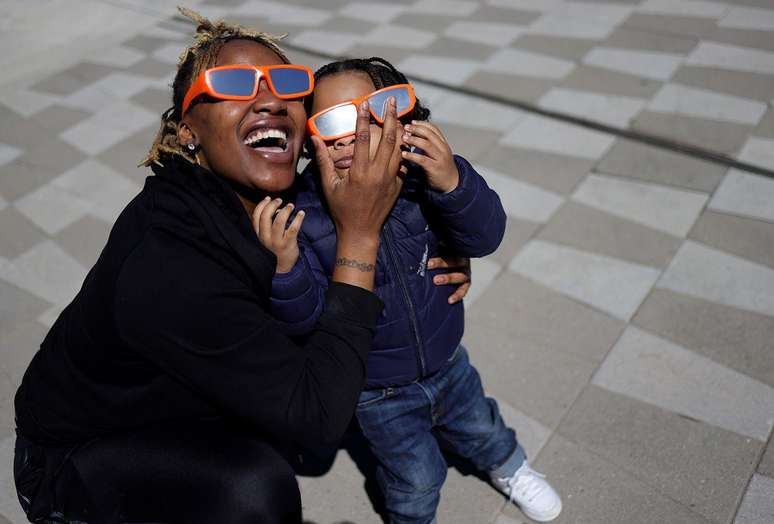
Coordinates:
[534,496]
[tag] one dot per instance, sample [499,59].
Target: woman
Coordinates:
[164,391]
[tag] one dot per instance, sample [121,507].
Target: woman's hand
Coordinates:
[360,200]
[458,273]
[437,160]
[269,222]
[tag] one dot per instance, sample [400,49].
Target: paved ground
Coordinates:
[626,323]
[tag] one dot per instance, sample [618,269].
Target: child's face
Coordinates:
[335,89]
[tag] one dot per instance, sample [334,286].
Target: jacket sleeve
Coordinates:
[209,329]
[471,218]
[298,296]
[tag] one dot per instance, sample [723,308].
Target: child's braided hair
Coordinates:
[201,55]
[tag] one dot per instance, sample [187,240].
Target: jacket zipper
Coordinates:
[412,315]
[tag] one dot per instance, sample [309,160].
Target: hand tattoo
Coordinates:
[361,266]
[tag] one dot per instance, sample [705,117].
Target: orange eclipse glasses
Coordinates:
[241,82]
[340,120]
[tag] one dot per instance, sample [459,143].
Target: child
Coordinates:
[420,386]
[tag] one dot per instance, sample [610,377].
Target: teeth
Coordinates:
[260,134]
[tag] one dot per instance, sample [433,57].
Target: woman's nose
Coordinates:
[344,141]
[266,101]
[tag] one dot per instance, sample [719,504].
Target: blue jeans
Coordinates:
[402,425]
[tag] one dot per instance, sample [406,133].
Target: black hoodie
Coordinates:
[172,323]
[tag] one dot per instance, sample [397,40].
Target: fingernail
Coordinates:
[266,199]
[404,154]
[430,263]
[301,213]
[438,280]
[291,206]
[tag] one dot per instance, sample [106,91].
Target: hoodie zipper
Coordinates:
[406,297]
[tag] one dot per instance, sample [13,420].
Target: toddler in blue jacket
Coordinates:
[421,393]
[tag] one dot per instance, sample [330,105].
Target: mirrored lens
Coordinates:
[290,81]
[378,102]
[339,121]
[233,82]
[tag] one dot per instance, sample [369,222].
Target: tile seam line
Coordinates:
[658,141]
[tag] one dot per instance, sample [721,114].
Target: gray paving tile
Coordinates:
[722,137]
[458,48]
[747,238]
[486,33]
[654,65]
[17,233]
[737,339]
[345,24]
[16,308]
[701,467]
[594,490]
[736,58]
[465,498]
[127,154]
[52,209]
[758,503]
[84,239]
[150,67]
[557,173]
[486,270]
[504,15]
[153,99]
[722,278]
[514,61]
[654,370]
[582,227]
[540,381]
[677,99]
[517,233]
[592,78]
[9,153]
[390,35]
[19,343]
[766,465]
[392,54]
[473,112]
[609,284]
[644,162]
[74,78]
[7,390]
[745,194]
[665,209]
[766,126]
[4,520]
[39,165]
[522,200]
[738,83]
[613,110]
[108,127]
[553,136]
[531,434]
[9,503]
[524,311]
[510,87]
[566,48]
[57,118]
[682,26]
[149,44]
[643,40]
[744,37]
[467,142]
[20,132]
[427,22]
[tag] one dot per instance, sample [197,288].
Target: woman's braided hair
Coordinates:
[382,73]
[201,55]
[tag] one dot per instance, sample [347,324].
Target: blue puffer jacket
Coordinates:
[418,330]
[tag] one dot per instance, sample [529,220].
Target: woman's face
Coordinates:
[335,89]
[222,127]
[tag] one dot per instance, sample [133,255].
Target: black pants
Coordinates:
[207,472]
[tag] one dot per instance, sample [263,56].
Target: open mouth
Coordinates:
[270,140]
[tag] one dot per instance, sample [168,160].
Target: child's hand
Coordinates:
[438,163]
[271,231]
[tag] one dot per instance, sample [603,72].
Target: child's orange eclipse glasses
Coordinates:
[340,120]
[241,82]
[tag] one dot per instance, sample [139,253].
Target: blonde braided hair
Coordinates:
[199,56]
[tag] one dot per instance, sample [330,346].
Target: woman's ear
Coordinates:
[186,135]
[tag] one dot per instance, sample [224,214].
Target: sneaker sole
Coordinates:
[546,516]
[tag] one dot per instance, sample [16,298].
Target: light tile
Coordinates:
[747,238]
[108,91]
[46,271]
[27,103]
[748,18]
[461,8]
[108,126]
[654,370]
[375,13]
[745,194]
[702,103]
[474,112]
[724,56]
[702,272]
[9,501]
[3,203]
[399,36]
[694,8]
[280,13]
[543,6]
[611,285]
[168,54]
[758,503]
[486,270]
[570,27]
[17,233]
[117,56]
[666,209]
[648,64]
[521,199]
[8,153]
[484,33]
[758,151]
[336,42]
[517,62]
[609,109]
[448,70]
[552,136]
[48,317]
[93,181]
[52,209]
